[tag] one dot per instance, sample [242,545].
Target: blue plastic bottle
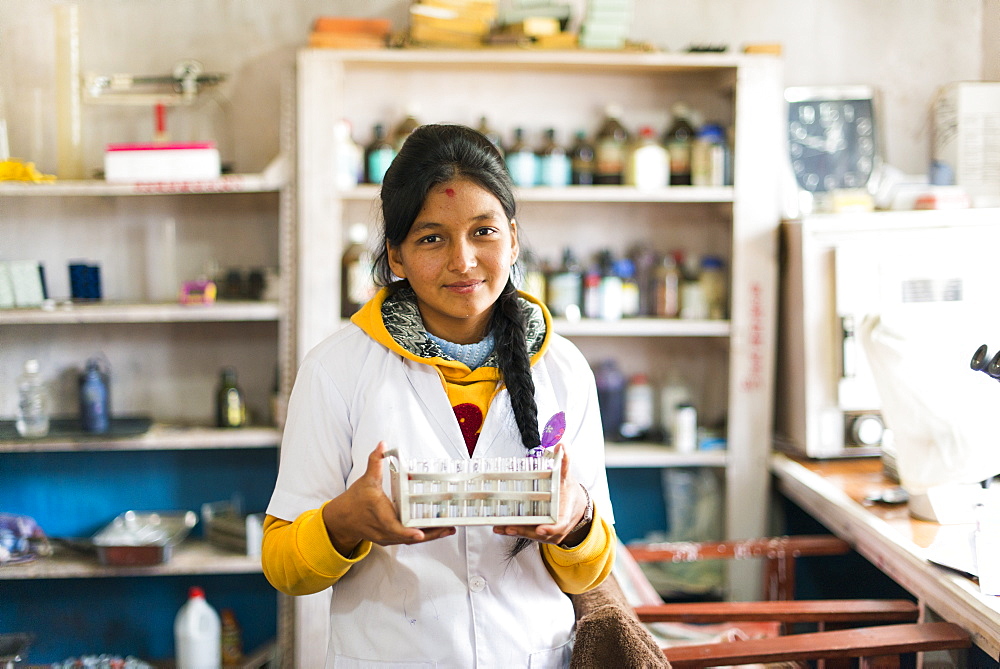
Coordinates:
[94,414]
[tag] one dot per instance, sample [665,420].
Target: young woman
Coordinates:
[448,360]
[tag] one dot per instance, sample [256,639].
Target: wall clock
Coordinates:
[831,136]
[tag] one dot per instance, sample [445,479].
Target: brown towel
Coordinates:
[608,634]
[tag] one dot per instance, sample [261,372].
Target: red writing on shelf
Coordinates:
[755,374]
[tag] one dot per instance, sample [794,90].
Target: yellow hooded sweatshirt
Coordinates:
[299,558]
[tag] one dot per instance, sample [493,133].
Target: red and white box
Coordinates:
[133,163]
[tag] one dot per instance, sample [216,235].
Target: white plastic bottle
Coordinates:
[675,393]
[648,164]
[32,402]
[348,156]
[639,409]
[197,633]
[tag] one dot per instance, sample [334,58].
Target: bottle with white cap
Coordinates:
[32,402]
[197,633]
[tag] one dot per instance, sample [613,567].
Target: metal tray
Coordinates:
[142,538]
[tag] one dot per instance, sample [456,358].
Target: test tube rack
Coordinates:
[477,491]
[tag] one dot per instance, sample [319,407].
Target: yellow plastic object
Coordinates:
[15,169]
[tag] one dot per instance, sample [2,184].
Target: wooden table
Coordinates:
[834,492]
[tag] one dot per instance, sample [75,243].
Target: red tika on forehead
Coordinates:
[450,192]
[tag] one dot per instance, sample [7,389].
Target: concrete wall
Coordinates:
[906,48]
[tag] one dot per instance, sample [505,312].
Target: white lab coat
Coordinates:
[454,602]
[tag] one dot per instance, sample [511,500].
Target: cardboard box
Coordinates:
[967,140]
[134,163]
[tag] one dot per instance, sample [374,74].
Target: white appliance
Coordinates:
[915,269]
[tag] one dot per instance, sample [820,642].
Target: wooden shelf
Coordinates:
[271,180]
[569,60]
[642,327]
[111,312]
[583,194]
[192,556]
[636,327]
[640,455]
[159,437]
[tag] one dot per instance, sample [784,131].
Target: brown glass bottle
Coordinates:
[581,161]
[230,407]
[610,149]
[491,134]
[403,129]
[678,139]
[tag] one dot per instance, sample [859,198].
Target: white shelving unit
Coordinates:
[165,357]
[730,361]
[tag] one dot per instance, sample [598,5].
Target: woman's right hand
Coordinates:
[364,512]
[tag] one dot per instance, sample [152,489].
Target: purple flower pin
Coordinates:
[551,434]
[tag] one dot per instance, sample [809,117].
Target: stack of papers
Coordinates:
[452,23]
[607,24]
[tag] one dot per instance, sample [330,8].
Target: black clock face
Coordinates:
[831,143]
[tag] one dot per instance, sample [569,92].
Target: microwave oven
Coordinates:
[915,269]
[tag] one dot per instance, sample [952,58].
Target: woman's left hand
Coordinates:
[572,506]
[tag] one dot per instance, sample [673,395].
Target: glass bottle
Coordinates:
[32,402]
[678,140]
[378,155]
[693,303]
[709,157]
[611,289]
[674,394]
[553,162]
[667,288]
[631,298]
[232,641]
[610,149]
[590,295]
[713,286]
[356,284]
[491,134]
[403,129]
[638,419]
[581,161]
[348,157]
[230,407]
[565,287]
[610,397]
[534,275]
[645,261]
[522,163]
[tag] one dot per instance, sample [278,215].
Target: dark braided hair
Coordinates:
[432,155]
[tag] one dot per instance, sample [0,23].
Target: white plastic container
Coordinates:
[32,402]
[685,432]
[649,163]
[197,634]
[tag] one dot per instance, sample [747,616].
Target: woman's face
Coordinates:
[457,257]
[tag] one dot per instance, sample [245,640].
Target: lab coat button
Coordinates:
[477,583]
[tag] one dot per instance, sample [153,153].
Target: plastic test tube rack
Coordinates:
[477,491]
